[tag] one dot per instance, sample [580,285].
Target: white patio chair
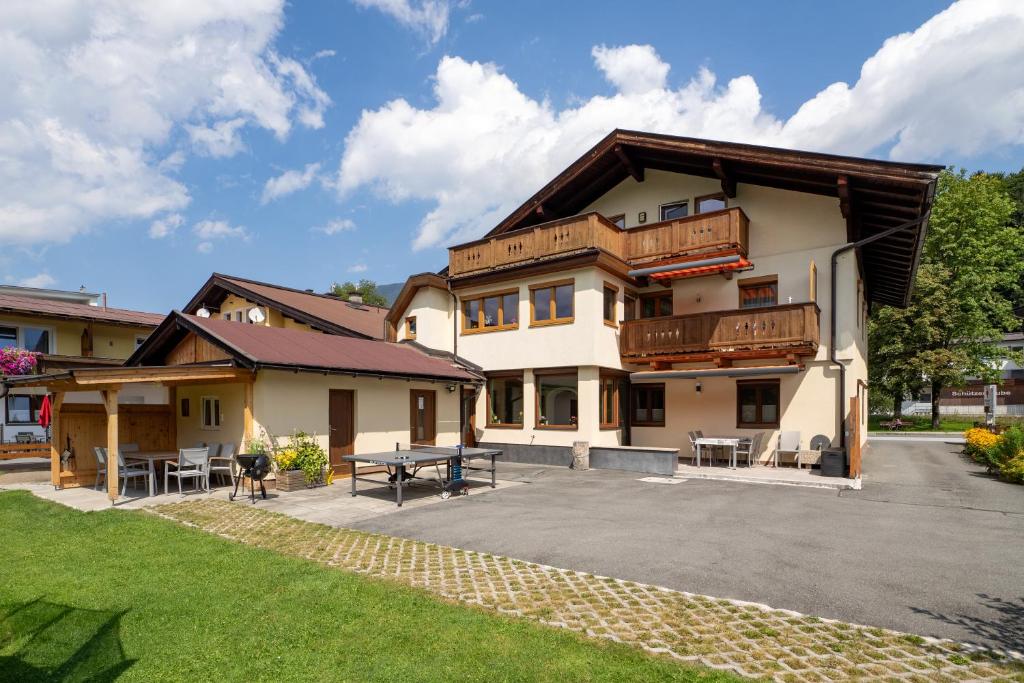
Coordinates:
[751,448]
[192,463]
[124,471]
[693,446]
[789,442]
[224,462]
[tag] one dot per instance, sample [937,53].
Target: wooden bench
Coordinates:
[894,425]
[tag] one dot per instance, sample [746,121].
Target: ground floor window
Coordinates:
[648,401]
[505,400]
[757,404]
[609,406]
[23,410]
[211,412]
[557,399]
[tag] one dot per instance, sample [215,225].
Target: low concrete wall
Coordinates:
[635,459]
[632,459]
[532,455]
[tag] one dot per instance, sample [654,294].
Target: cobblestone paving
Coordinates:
[749,639]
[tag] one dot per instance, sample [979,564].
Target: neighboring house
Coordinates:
[661,285]
[218,373]
[68,329]
[234,298]
[970,399]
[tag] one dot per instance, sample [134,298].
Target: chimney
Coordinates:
[355,297]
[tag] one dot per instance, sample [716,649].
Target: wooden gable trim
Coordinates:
[192,349]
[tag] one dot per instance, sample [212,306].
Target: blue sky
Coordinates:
[527,92]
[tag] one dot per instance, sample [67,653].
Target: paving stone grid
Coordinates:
[749,639]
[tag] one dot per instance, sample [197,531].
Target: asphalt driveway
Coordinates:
[931,545]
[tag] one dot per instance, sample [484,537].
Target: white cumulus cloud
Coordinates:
[166,226]
[427,17]
[952,86]
[358,268]
[288,182]
[209,231]
[96,94]
[336,225]
[40,280]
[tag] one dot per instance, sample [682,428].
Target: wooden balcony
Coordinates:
[790,329]
[655,242]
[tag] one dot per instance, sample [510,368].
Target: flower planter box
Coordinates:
[295,480]
[291,480]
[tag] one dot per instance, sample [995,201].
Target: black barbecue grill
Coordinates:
[256,467]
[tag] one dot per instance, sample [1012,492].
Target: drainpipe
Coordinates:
[841,413]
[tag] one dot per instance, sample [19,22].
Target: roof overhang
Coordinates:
[97,379]
[758,371]
[412,285]
[872,195]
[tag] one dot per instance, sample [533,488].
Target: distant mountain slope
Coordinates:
[390,291]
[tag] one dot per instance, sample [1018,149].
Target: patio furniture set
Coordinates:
[196,464]
[734,447]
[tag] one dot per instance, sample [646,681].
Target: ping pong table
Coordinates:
[404,464]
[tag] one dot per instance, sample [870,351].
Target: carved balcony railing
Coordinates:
[786,328]
[658,241]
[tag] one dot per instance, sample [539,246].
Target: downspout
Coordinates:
[841,412]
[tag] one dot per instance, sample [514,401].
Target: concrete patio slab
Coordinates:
[783,476]
[332,505]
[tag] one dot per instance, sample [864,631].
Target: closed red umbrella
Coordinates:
[45,414]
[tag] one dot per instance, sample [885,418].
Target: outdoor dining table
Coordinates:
[731,441]
[151,457]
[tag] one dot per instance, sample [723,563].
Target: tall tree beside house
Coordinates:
[963,299]
[366,288]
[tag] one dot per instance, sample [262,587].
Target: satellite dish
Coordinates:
[203,312]
[256,316]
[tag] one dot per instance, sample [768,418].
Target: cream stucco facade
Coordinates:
[289,402]
[792,237]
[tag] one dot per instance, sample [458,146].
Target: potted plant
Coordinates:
[301,464]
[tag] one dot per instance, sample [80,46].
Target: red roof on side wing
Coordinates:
[314,350]
[26,305]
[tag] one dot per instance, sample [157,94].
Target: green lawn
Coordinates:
[923,424]
[128,596]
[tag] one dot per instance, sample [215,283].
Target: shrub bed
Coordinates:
[1001,454]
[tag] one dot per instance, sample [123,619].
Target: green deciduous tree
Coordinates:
[963,298]
[367,288]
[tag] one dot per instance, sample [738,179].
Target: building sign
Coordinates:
[1010,392]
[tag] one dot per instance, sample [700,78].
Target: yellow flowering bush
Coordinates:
[285,458]
[979,441]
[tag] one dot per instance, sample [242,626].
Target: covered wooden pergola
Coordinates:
[109,382]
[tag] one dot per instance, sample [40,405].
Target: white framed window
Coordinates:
[30,337]
[210,412]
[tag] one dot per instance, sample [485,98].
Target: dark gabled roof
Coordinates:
[874,195]
[321,311]
[257,346]
[28,305]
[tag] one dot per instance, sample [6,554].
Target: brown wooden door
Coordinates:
[422,416]
[341,417]
[469,417]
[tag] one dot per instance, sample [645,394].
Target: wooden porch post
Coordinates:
[56,443]
[247,416]
[110,403]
